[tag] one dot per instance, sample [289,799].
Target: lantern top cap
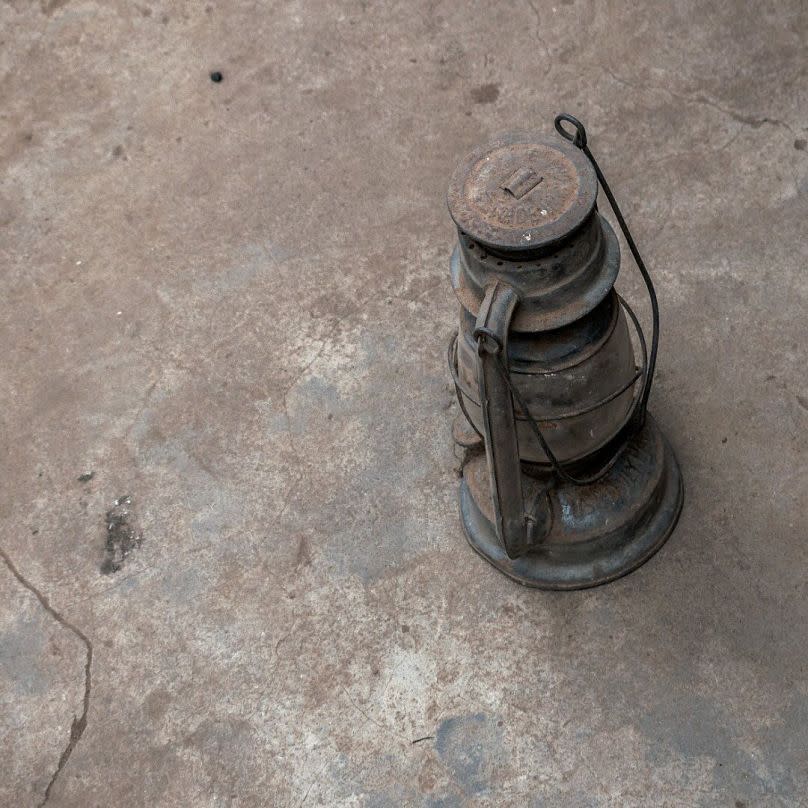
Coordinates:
[522,191]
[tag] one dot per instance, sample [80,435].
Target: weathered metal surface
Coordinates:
[498,419]
[522,191]
[544,368]
[597,532]
[555,288]
[558,373]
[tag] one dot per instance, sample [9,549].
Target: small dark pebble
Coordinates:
[723,440]
[35,532]
[216,76]
[85,478]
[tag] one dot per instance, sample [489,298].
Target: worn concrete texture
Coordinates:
[230,302]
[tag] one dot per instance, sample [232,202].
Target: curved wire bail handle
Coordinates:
[578,138]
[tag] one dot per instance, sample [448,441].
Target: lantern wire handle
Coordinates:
[579,139]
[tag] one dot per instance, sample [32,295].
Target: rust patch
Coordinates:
[485,94]
[492,216]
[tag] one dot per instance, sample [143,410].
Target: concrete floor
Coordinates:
[230,302]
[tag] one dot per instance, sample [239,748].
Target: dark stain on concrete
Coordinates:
[800,144]
[156,704]
[49,6]
[485,94]
[783,743]
[450,801]
[122,535]
[706,730]
[468,746]
[303,556]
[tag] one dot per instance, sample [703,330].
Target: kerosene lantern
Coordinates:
[577,484]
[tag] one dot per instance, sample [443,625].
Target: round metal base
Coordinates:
[599,532]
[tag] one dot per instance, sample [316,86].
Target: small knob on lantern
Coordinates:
[521,182]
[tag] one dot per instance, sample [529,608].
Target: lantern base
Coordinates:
[598,532]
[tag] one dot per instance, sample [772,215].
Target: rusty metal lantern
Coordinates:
[577,484]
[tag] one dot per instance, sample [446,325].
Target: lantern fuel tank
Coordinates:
[576,484]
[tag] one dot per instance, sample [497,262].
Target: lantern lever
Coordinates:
[517,531]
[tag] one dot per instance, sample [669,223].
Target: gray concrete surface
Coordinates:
[231,303]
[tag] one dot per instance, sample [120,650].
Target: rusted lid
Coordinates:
[522,191]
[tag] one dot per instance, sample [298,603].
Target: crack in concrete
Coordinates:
[292,490]
[389,730]
[538,24]
[748,120]
[79,724]
[690,153]
[301,373]
[142,408]
[316,779]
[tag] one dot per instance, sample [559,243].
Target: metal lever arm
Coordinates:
[499,420]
